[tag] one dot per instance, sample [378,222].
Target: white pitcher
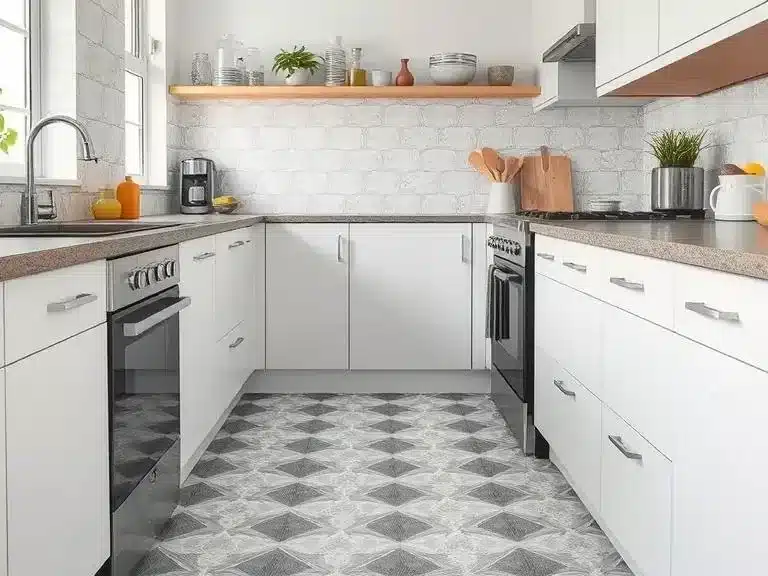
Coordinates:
[734,197]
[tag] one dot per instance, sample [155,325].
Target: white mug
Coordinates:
[381,77]
[734,197]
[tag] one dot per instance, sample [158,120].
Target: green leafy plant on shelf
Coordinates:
[8,136]
[296,59]
[677,148]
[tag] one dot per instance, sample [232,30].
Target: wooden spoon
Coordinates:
[491,159]
[513,166]
[477,162]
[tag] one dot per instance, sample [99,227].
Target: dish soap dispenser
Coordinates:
[129,196]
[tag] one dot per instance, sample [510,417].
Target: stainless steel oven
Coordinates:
[144,304]
[510,328]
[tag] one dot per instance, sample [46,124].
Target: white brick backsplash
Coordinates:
[325,204]
[551,117]
[327,160]
[310,183]
[515,115]
[497,137]
[583,117]
[328,115]
[439,204]
[441,115]
[365,115]
[599,183]
[420,183]
[344,138]
[603,138]
[460,139]
[90,21]
[292,115]
[401,115]
[532,138]
[477,115]
[274,138]
[362,160]
[382,138]
[345,183]
[621,117]
[439,160]
[114,35]
[461,182]
[384,183]
[402,160]
[418,138]
[568,137]
[621,160]
[632,138]
[274,183]
[314,138]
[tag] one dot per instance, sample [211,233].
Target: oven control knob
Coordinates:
[159,272]
[139,279]
[170,268]
[517,249]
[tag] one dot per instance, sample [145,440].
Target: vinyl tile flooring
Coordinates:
[376,485]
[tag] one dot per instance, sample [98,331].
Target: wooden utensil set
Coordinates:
[490,163]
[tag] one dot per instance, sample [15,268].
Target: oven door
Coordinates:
[144,423]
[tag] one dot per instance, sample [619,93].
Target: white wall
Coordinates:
[498,31]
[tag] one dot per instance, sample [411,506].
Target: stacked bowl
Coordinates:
[452,68]
[228,76]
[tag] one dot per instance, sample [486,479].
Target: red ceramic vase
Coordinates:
[404,77]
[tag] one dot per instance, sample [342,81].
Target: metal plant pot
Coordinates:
[677,189]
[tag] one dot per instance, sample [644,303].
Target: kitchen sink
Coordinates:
[80,229]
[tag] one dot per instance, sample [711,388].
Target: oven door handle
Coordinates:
[507,276]
[133,329]
[490,304]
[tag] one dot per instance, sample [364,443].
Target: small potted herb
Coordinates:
[676,185]
[297,65]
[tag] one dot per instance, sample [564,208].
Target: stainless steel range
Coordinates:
[143,320]
[509,325]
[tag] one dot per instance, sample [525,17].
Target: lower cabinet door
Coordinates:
[58,459]
[568,415]
[636,499]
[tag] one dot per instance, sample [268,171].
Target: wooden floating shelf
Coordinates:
[324,92]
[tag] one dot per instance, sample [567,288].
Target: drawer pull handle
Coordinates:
[545,256]
[619,443]
[72,303]
[236,244]
[236,343]
[714,313]
[204,256]
[578,267]
[339,248]
[560,385]
[624,283]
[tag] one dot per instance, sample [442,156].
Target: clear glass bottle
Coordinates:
[202,72]
[335,64]
[357,75]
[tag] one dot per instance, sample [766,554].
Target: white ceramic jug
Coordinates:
[734,197]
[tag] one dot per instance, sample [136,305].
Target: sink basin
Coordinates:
[80,229]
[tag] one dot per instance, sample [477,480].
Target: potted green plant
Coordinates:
[297,65]
[676,184]
[8,136]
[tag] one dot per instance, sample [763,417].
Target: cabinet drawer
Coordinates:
[237,347]
[636,496]
[573,264]
[234,268]
[723,311]
[50,307]
[637,284]
[568,416]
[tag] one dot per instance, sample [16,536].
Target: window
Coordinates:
[16,77]
[136,82]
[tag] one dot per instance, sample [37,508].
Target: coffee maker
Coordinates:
[198,185]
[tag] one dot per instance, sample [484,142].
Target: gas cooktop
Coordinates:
[621,215]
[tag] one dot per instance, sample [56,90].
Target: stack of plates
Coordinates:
[452,68]
[228,77]
[605,205]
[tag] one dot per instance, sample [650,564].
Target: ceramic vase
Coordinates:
[404,77]
[299,78]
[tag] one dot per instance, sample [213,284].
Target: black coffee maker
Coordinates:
[198,185]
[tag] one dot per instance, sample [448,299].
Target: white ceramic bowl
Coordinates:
[452,74]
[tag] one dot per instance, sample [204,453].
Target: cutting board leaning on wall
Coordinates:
[546,183]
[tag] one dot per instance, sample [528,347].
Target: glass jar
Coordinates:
[202,73]
[225,55]
[357,76]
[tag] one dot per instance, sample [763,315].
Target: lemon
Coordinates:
[754,168]
[224,200]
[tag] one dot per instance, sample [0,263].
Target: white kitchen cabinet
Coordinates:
[720,466]
[636,496]
[234,277]
[410,296]
[255,311]
[627,36]
[307,296]
[58,459]
[683,20]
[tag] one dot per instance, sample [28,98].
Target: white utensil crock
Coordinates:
[734,197]
[503,198]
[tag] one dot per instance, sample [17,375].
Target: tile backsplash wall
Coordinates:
[736,120]
[399,156]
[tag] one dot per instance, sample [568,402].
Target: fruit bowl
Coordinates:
[226,208]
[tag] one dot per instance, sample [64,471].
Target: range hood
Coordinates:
[578,45]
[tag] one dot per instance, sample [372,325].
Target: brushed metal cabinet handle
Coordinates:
[236,244]
[72,303]
[709,312]
[340,248]
[618,442]
[578,267]
[463,255]
[624,283]
[545,256]
[203,256]
[236,343]
[560,385]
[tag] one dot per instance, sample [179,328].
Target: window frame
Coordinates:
[138,63]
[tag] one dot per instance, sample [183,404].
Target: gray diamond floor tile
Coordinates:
[393,467]
[391,426]
[295,494]
[193,494]
[475,445]
[522,562]
[308,445]
[318,410]
[391,446]
[388,396]
[302,468]
[510,526]
[273,563]
[156,563]
[389,409]
[314,426]
[226,445]
[485,467]
[466,426]
[157,446]
[496,494]
[245,409]
[455,396]
[398,526]
[212,467]
[180,525]
[402,563]
[320,397]
[460,409]
[395,494]
[285,527]
[237,425]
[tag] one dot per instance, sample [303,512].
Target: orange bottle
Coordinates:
[129,196]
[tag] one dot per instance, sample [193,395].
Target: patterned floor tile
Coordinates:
[366,485]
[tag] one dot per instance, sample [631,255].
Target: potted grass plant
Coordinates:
[297,65]
[676,184]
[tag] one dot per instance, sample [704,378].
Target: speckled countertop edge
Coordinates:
[730,261]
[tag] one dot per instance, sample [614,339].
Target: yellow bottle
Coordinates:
[106,207]
[129,196]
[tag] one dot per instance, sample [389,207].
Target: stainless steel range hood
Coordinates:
[578,45]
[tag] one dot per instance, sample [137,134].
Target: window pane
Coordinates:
[131,27]
[13,11]
[18,122]
[12,71]
[134,150]
[134,96]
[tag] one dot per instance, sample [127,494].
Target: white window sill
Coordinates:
[40,181]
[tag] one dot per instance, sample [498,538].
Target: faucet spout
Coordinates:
[28,212]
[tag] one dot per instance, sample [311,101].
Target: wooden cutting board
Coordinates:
[546,183]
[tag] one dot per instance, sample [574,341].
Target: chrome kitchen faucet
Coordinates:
[29,213]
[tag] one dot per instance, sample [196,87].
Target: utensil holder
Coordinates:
[504,198]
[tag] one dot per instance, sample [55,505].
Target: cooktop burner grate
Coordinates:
[620,215]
